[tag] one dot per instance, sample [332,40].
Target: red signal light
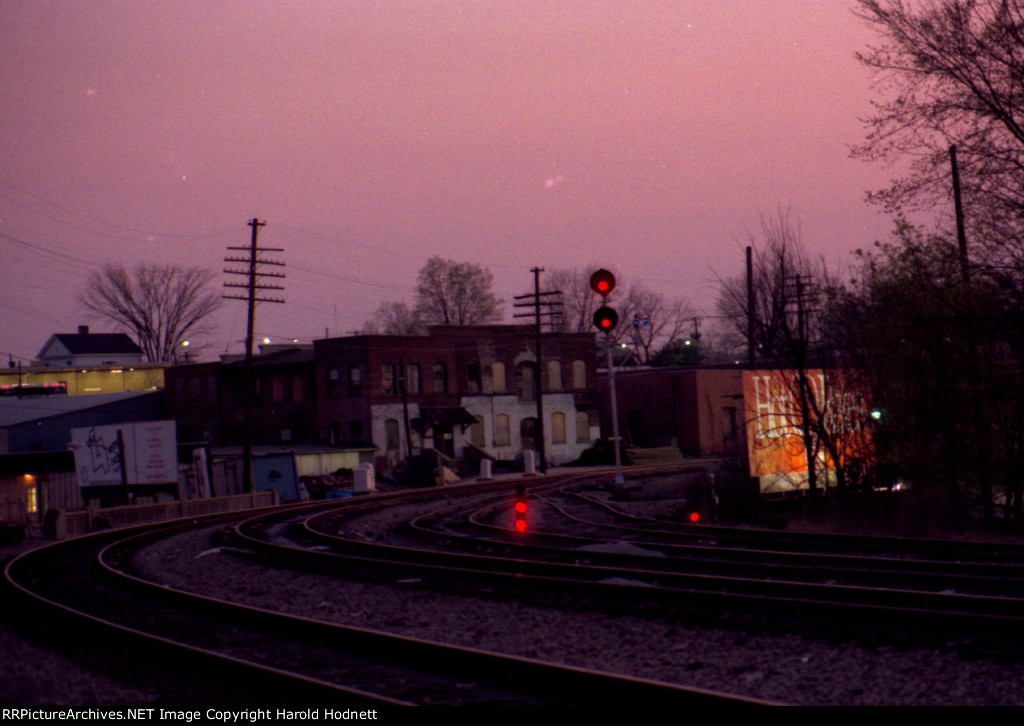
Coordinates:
[602,282]
[605,318]
[520,508]
[695,517]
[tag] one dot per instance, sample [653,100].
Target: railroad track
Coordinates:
[214,652]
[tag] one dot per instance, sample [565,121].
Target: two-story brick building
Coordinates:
[460,388]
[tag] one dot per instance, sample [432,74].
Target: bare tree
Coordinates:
[792,332]
[579,301]
[394,318]
[456,293]
[652,321]
[159,304]
[953,74]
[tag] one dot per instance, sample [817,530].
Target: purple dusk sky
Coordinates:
[646,136]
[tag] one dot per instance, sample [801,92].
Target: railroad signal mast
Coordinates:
[606,318]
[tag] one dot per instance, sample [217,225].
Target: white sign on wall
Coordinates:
[150,452]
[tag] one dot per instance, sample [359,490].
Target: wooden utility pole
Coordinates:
[534,300]
[251,285]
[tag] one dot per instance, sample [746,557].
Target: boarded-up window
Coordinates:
[277,389]
[582,427]
[526,375]
[498,377]
[554,375]
[501,430]
[579,374]
[558,427]
[476,432]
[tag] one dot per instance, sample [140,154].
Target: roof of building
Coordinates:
[93,344]
[15,411]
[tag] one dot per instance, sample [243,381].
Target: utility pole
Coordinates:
[534,300]
[252,285]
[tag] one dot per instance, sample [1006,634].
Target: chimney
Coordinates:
[83,329]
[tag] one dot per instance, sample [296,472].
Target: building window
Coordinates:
[391,439]
[558,428]
[440,377]
[498,377]
[526,380]
[387,374]
[582,427]
[298,390]
[355,381]
[501,430]
[211,389]
[284,435]
[334,433]
[476,432]
[554,375]
[31,495]
[412,381]
[416,433]
[473,384]
[332,380]
[195,386]
[579,375]
[277,389]
[355,428]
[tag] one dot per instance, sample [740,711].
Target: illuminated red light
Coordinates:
[694,516]
[521,525]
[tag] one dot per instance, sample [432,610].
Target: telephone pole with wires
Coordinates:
[253,285]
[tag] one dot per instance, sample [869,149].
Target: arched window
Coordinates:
[498,377]
[558,428]
[473,382]
[391,437]
[526,381]
[412,381]
[554,375]
[476,433]
[440,377]
[579,374]
[501,430]
[582,427]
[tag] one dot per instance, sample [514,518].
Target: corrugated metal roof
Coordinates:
[21,410]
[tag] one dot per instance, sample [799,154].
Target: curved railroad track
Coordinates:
[213,651]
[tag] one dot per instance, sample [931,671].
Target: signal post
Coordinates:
[605,319]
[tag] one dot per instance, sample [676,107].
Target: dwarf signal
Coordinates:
[520,508]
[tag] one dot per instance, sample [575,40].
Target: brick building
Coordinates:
[463,390]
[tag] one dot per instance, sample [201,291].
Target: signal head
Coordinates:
[605,318]
[602,282]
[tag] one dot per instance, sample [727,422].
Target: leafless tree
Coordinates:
[952,73]
[394,318]
[652,321]
[456,293]
[159,304]
[647,319]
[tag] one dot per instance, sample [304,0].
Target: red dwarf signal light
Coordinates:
[694,517]
[605,318]
[602,282]
[520,508]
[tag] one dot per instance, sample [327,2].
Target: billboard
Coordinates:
[775,426]
[150,453]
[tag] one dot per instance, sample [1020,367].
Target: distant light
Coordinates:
[687,341]
[694,516]
[185,344]
[266,341]
[876,414]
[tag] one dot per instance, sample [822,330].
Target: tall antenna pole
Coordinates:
[252,285]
